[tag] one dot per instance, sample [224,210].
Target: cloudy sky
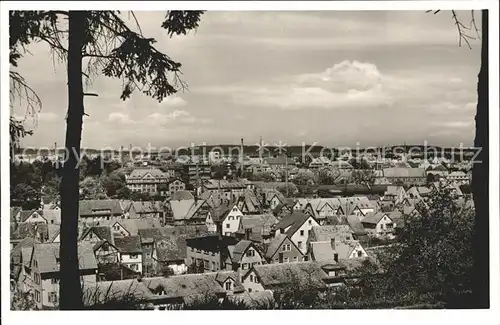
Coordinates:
[336,78]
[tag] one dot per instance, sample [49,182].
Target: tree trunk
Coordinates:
[70,291]
[480,181]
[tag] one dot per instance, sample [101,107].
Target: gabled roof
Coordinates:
[184,286]
[93,207]
[326,233]
[356,225]
[251,202]
[374,218]
[240,248]
[28,213]
[259,223]
[129,244]
[276,244]
[323,252]
[133,225]
[52,216]
[103,232]
[181,208]
[182,195]
[140,173]
[277,275]
[101,292]
[219,213]
[47,255]
[222,276]
[294,221]
[171,248]
[345,248]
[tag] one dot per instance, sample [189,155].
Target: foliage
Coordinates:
[363,176]
[433,256]
[22,301]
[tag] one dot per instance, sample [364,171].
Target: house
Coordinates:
[97,233]
[248,203]
[43,271]
[347,249]
[297,227]
[170,251]
[244,255]
[210,251]
[216,216]
[31,216]
[271,198]
[329,232]
[279,162]
[395,194]
[145,209]
[257,227]
[287,276]
[379,224]
[92,212]
[459,177]
[227,215]
[229,281]
[106,253]
[175,185]
[405,175]
[282,249]
[101,292]
[230,190]
[146,180]
[182,289]
[130,227]
[130,252]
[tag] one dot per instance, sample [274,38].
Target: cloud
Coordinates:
[173,101]
[159,118]
[120,118]
[346,84]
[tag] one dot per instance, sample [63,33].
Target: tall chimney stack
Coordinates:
[241,158]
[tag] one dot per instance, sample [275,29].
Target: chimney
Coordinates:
[248,231]
[242,158]
[336,257]
[332,243]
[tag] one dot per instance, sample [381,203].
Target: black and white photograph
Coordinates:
[167,158]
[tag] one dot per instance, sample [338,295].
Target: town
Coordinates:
[171,229]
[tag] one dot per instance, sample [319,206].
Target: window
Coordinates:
[148,255]
[288,247]
[133,256]
[54,281]
[286,260]
[310,222]
[251,277]
[302,232]
[206,264]
[36,276]
[228,285]
[244,266]
[347,238]
[249,289]
[228,225]
[53,297]
[37,296]
[134,267]
[250,253]
[295,258]
[299,245]
[360,253]
[35,263]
